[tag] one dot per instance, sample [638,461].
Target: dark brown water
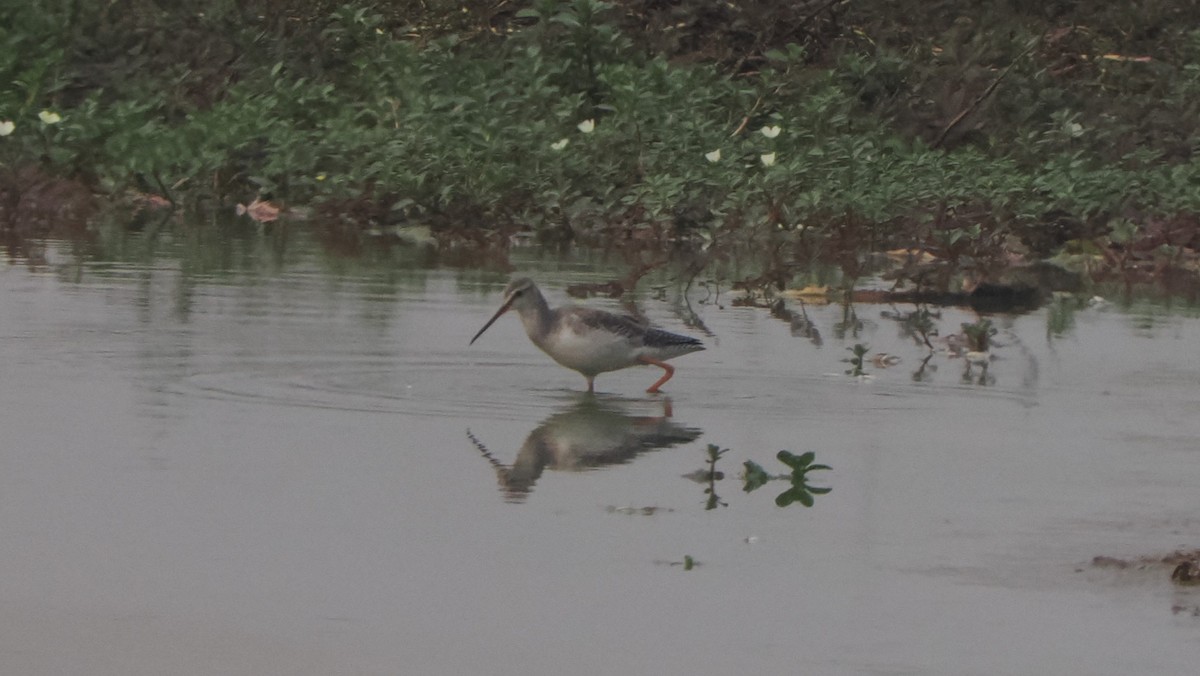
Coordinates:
[281,463]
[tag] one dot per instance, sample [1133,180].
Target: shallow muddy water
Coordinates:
[266,461]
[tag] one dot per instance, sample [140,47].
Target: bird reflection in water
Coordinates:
[589,434]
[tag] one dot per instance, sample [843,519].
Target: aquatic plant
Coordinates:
[714,454]
[688,563]
[857,360]
[755,476]
[710,476]
[979,335]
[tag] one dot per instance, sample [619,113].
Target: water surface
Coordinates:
[266,460]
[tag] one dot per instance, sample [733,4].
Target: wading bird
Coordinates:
[591,341]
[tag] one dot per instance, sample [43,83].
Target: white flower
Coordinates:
[714,156]
[770,132]
[768,159]
[587,126]
[7,127]
[49,117]
[559,145]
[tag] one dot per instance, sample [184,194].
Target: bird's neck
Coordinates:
[537,318]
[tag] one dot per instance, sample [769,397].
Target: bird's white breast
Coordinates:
[590,350]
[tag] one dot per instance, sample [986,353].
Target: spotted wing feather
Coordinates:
[665,339]
[621,325]
[630,327]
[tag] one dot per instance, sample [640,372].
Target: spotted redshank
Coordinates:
[591,341]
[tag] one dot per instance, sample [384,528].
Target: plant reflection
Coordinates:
[799,322]
[856,361]
[850,325]
[710,476]
[756,477]
[588,434]
[975,347]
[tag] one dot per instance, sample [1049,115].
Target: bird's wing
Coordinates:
[660,338]
[620,325]
[634,329]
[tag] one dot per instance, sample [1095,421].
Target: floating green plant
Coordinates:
[800,491]
[979,335]
[859,352]
[710,476]
[755,476]
[687,563]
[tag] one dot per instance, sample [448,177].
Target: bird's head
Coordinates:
[520,293]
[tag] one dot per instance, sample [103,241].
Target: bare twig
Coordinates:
[982,97]
[746,119]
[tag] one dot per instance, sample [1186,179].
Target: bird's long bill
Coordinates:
[502,310]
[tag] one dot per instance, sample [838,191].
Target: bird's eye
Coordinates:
[518,292]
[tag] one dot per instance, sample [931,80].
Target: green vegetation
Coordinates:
[1023,126]
[858,353]
[756,477]
[711,476]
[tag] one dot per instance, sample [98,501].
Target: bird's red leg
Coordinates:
[669,371]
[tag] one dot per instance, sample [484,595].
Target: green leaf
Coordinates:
[796,462]
[755,476]
[566,19]
[794,494]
